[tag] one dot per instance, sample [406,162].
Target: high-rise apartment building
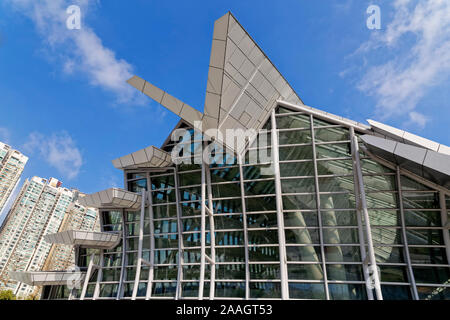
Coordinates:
[40,208]
[12,163]
[78,217]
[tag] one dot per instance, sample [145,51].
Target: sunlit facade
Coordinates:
[331,209]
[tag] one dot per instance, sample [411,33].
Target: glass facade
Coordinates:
[232,230]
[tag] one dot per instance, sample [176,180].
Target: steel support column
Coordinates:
[319,213]
[362,247]
[244,222]
[212,234]
[279,204]
[365,214]
[152,240]
[405,239]
[141,240]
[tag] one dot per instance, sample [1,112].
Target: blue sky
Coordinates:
[65,104]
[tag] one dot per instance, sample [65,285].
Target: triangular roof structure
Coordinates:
[242,89]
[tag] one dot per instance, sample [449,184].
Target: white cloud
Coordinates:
[59,150]
[417,119]
[5,135]
[417,46]
[81,51]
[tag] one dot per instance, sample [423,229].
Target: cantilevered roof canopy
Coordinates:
[48,278]
[112,198]
[242,89]
[149,157]
[87,239]
[428,164]
[407,138]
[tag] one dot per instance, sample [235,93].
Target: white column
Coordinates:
[280,218]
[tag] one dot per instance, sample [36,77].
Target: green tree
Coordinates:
[7,295]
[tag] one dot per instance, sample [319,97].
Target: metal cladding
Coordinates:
[407,138]
[428,164]
[149,157]
[112,198]
[47,278]
[242,89]
[86,239]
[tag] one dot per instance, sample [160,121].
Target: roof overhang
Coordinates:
[407,138]
[112,198]
[426,163]
[150,157]
[48,278]
[86,239]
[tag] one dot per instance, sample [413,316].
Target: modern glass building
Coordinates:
[301,205]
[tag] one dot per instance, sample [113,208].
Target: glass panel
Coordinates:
[228,222]
[347,291]
[380,183]
[230,271]
[303,253]
[226,190]
[164,289]
[265,290]
[263,237]
[340,235]
[339,218]
[262,220]
[389,254]
[428,255]
[393,274]
[396,292]
[387,235]
[424,237]
[230,254]
[302,236]
[384,218]
[335,167]
[305,272]
[306,290]
[412,185]
[227,206]
[293,121]
[415,200]
[342,254]
[191,178]
[137,185]
[264,271]
[335,150]
[382,200]
[296,153]
[423,218]
[337,201]
[165,273]
[331,134]
[264,254]
[301,219]
[299,202]
[230,289]
[438,275]
[298,169]
[433,293]
[165,211]
[108,290]
[298,185]
[345,272]
[336,184]
[163,182]
[259,187]
[294,137]
[260,204]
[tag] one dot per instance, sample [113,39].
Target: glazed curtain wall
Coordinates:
[305,241]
